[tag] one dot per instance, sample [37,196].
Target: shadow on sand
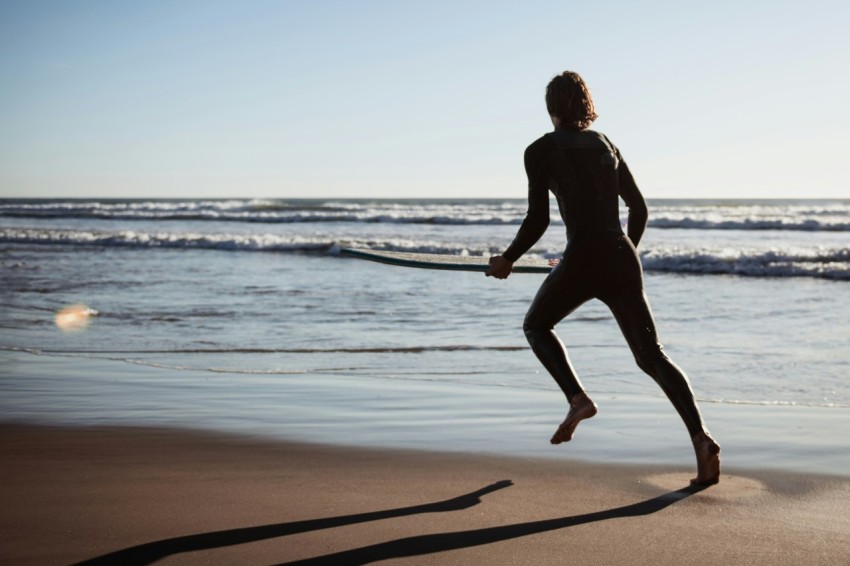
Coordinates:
[409,546]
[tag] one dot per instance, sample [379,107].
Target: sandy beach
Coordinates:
[144,495]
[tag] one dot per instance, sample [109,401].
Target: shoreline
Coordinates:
[135,495]
[364,411]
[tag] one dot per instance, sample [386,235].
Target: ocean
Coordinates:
[241,316]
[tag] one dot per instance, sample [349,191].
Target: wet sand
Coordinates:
[141,495]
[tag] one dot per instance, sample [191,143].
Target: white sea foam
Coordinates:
[828,262]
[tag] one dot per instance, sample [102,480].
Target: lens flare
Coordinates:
[74,318]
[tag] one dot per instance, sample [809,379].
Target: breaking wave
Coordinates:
[821,262]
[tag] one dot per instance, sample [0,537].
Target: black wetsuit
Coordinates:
[588,176]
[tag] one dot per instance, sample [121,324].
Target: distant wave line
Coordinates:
[659,221]
[379,350]
[829,215]
[299,218]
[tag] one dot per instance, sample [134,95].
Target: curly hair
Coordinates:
[569,100]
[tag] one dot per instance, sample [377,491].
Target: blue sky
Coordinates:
[414,99]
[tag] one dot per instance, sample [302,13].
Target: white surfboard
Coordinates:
[443,261]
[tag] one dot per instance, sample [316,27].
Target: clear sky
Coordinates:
[317,98]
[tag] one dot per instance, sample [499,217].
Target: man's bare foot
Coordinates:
[708,459]
[581,407]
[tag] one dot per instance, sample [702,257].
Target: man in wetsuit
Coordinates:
[588,176]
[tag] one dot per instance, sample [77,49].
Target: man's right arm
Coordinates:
[537,217]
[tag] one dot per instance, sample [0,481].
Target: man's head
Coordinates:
[569,102]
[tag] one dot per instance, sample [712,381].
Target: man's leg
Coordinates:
[558,296]
[631,309]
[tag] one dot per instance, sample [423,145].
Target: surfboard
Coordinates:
[443,261]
